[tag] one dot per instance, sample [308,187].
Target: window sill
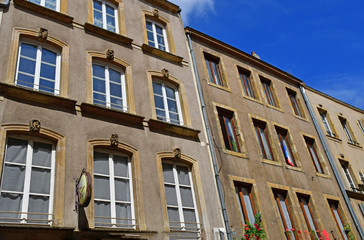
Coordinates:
[165,127]
[298,169]
[227,89]
[253,99]
[117,116]
[44,11]
[336,139]
[115,231]
[275,108]
[355,195]
[271,162]
[107,34]
[37,97]
[357,146]
[323,175]
[161,54]
[236,154]
[301,118]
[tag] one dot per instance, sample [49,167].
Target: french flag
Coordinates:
[286,156]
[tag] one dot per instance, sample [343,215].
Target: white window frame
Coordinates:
[107,86]
[346,128]
[345,168]
[361,126]
[104,21]
[326,124]
[38,65]
[42,3]
[156,45]
[164,95]
[247,202]
[27,178]
[177,186]
[111,176]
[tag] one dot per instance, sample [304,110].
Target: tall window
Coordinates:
[167,103]
[334,205]
[109,87]
[246,205]
[157,36]
[38,68]
[113,190]
[228,129]
[51,4]
[213,69]
[345,168]
[284,212]
[105,15]
[286,147]
[310,143]
[347,131]
[267,86]
[27,184]
[180,196]
[360,124]
[326,123]
[295,104]
[263,138]
[308,214]
[246,83]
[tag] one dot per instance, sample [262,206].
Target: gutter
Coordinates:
[212,151]
[332,164]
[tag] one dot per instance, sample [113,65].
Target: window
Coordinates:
[113,190]
[38,68]
[27,184]
[213,69]
[360,124]
[157,36]
[284,212]
[308,214]
[167,103]
[310,143]
[345,168]
[347,131]
[228,129]
[180,197]
[361,176]
[51,4]
[263,139]
[327,123]
[105,15]
[109,87]
[286,147]
[245,78]
[295,103]
[246,205]
[267,86]
[334,205]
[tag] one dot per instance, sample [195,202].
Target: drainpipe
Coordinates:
[332,163]
[211,147]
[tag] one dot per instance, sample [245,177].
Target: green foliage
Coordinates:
[348,232]
[254,231]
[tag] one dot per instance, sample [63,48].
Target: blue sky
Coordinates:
[320,42]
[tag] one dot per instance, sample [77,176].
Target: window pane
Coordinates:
[28,50]
[98,71]
[168,173]
[49,56]
[46,86]
[101,163]
[102,187]
[13,178]
[99,85]
[16,150]
[10,202]
[190,218]
[158,102]
[183,176]
[172,106]
[186,197]
[121,166]
[52,4]
[102,209]
[173,217]
[42,154]
[161,115]
[157,88]
[170,92]
[98,5]
[115,90]
[48,71]
[38,204]
[35,1]
[122,190]
[114,76]
[248,205]
[123,211]
[99,99]
[27,66]
[149,26]
[171,195]
[40,180]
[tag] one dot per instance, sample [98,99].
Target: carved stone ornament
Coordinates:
[114,140]
[42,33]
[342,155]
[110,54]
[177,153]
[34,125]
[165,73]
[156,13]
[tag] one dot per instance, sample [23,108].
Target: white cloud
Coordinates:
[194,7]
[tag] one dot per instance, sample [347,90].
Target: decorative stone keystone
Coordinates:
[110,54]
[156,13]
[42,33]
[114,140]
[165,73]
[34,125]
[177,153]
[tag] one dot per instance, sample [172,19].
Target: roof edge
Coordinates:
[166,5]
